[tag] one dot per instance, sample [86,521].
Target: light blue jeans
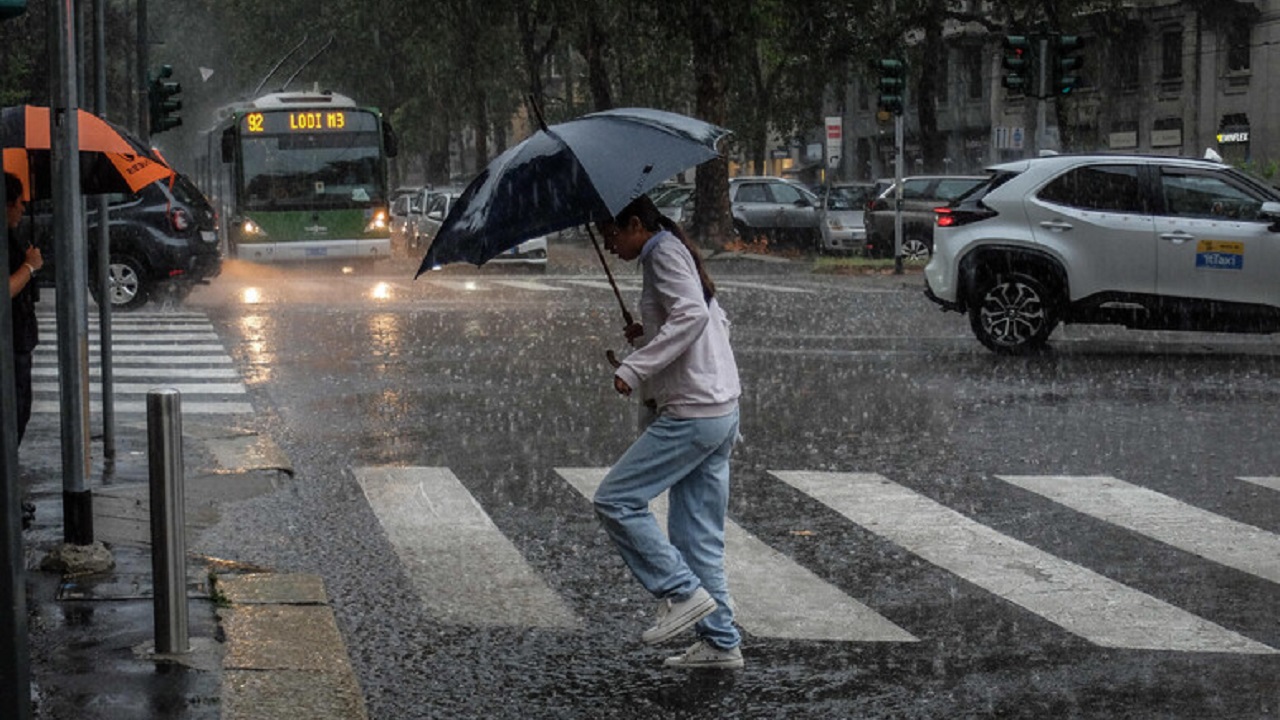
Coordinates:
[690,459]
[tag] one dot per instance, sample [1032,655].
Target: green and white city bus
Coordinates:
[300,176]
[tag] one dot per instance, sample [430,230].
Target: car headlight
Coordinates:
[377,222]
[834,224]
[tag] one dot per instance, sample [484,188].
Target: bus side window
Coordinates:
[228,145]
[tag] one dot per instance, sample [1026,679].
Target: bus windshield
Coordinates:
[312,170]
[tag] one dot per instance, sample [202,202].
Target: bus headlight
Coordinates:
[251,228]
[377,222]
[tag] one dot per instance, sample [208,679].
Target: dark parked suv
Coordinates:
[920,195]
[164,241]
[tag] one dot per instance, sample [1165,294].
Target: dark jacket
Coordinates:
[25,331]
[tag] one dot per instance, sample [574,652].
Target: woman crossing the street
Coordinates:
[684,365]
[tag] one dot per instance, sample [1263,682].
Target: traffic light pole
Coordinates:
[144,85]
[1042,113]
[898,164]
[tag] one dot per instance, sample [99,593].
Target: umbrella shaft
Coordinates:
[626,316]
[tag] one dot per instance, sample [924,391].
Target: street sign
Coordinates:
[835,139]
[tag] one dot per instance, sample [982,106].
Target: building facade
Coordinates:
[1169,77]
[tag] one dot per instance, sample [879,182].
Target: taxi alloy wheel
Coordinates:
[1013,314]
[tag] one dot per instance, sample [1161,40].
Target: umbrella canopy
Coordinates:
[111,160]
[569,174]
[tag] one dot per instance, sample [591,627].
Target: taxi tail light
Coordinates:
[955,217]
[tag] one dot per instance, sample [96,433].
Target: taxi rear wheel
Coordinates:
[1013,314]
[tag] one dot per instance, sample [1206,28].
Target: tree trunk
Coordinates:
[933,146]
[593,49]
[712,223]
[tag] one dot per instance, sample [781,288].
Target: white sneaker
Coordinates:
[676,617]
[704,655]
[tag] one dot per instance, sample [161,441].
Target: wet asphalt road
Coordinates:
[502,385]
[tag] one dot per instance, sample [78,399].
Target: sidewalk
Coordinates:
[263,645]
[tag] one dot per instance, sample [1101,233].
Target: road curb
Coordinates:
[285,657]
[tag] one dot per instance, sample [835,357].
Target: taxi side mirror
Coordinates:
[1271,211]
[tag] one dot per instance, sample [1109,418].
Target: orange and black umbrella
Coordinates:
[111,159]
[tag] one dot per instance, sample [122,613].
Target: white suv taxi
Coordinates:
[1155,243]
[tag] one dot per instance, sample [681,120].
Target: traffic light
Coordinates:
[1017,63]
[162,98]
[1066,63]
[892,83]
[12,8]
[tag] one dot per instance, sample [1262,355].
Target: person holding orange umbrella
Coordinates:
[24,261]
[111,159]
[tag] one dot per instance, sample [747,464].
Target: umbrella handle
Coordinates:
[626,316]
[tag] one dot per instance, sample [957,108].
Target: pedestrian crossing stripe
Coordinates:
[436,527]
[603,285]
[169,336]
[729,284]
[809,609]
[1094,607]
[51,371]
[139,407]
[529,285]
[1160,517]
[127,388]
[441,534]
[51,349]
[171,350]
[556,285]
[1272,483]
[464,569]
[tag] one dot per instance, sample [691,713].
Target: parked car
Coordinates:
[401,219]
[1148,242]
[163,240]
[778,209]
[920,195]
[437,206]
[675,202]
[843,208]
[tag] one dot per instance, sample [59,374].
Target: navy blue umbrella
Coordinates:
[574,173]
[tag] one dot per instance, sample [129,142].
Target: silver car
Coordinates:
[675,202]
[774,208]
[531,252]
[843,207]
[1148,242]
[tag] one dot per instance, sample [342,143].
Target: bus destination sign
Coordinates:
[295,121]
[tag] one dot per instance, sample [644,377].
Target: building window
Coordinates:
[944,76]
[973,72]
[1238,47]
[1128,66]
[1171,55]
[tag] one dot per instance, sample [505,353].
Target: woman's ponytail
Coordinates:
[653,220]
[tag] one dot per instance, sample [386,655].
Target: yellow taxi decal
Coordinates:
[1220,254]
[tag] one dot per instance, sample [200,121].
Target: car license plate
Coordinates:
[208,236]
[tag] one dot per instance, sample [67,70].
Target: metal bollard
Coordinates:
[168,520]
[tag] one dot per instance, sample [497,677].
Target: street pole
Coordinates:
[15,658]
[72,279]
[898,164]
[104,251]
[1041,137]
[144,119]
